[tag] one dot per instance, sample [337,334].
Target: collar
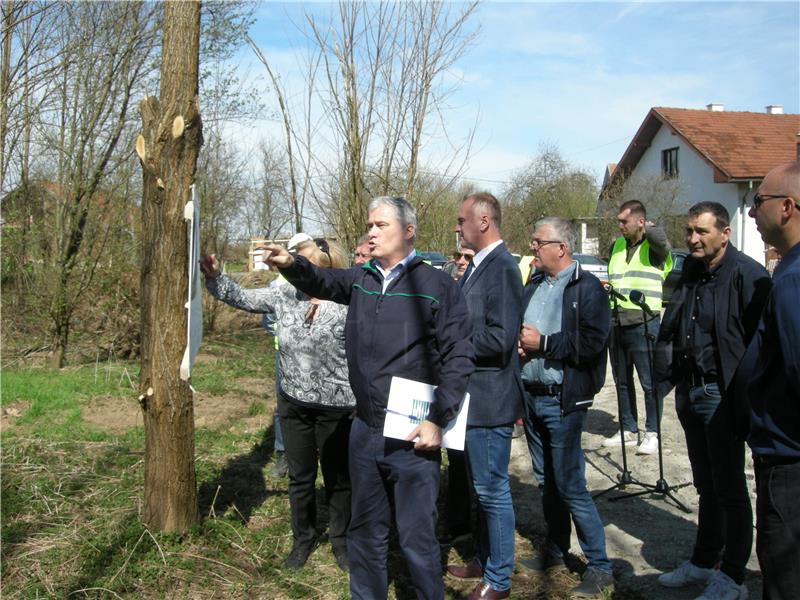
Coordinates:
[479,256]
[396,267]
[564,273]
[792,256]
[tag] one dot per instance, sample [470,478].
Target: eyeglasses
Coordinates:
[539,243]
[458,255]
[759,199]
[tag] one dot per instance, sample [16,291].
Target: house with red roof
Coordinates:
[712,155]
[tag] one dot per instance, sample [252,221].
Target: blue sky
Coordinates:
[584,75]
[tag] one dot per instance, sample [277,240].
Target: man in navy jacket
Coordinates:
[492,287]
[709,322]
[563,344]
[770,374]
[405,319]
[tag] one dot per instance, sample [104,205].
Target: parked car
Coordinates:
[596,266]
[435,259]
[671,282]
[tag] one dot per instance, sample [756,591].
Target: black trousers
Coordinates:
[778,529]
[716,454]
[459,494]
[385,470]
[316,436]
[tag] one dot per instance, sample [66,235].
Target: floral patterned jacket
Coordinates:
[312,356]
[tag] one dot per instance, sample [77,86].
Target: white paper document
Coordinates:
[194,304]
[409,403]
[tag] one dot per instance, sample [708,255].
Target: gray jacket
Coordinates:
[312,356]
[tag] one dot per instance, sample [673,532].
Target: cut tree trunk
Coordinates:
[168,149]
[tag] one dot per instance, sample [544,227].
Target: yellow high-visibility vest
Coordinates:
[638,274]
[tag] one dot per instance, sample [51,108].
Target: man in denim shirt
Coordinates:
[563,349]
[712,317]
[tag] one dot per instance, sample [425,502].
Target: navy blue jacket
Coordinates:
[582,343]
[770,369]
[415,330]
[494,298]
[740,292]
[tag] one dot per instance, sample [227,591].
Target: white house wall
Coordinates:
[697,185]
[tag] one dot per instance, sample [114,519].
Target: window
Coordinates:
[669,162]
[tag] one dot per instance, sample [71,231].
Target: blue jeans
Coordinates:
[554,442]
[725,517]
[488,452]
[383,473]
[778,528]
[629,350]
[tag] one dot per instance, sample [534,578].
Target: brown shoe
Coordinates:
[471,570]
[483,591]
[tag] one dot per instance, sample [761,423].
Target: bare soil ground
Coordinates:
[645,535]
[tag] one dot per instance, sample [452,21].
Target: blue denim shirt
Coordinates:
[544,312]
[771,366]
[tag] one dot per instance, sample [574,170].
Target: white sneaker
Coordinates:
[722,587]
[649,443]
[685,574]
[631,439]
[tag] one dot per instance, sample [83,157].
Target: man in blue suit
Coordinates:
[492,287]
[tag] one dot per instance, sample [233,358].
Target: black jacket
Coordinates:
[582,343]
[494,298]
[740,292]
[416,330]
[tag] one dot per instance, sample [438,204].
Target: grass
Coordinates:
[71,495]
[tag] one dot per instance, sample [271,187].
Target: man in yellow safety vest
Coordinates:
[640,260]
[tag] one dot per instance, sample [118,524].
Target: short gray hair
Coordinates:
[563,229]
[402,209]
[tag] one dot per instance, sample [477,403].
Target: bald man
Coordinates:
[770,372]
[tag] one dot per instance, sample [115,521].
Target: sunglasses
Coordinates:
[759,199]
[322,244]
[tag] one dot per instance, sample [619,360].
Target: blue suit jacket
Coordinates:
[494,301]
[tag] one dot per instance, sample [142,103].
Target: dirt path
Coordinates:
[645,535]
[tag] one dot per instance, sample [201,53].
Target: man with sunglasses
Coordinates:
[770,374]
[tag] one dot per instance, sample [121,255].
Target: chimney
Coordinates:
[715,107]
[774,109]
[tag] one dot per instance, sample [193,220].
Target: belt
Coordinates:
[540,389]
[697,380]
[773,460]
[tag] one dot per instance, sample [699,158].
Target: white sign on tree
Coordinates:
[194,305]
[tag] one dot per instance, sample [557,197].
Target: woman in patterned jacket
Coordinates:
[315,402]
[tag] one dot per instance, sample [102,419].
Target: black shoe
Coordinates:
[281,467]
[594,585]
[451,538]
[542,563]
[299,555]
[342,560]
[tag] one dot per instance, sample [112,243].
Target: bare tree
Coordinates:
[102,51]
[268,206]
[168,149]
[548,186]
[375,85]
